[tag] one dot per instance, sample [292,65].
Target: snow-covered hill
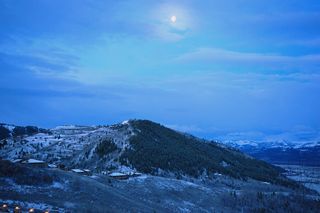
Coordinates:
[133,146]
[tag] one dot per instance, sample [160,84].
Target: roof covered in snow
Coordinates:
[77,170]
[16,160]
[34,161]
[117,174]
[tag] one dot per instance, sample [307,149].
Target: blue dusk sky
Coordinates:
[221,67]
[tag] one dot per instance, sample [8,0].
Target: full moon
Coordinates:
[173,19]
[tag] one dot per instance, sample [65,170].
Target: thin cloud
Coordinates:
[186,128]
[216,55]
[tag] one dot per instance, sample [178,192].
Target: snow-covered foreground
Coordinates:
[99,193]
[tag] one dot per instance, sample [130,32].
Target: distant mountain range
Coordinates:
[135,145]
[281,152]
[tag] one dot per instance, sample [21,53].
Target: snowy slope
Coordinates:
[70,145]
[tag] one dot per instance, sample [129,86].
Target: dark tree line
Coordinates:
[105,147]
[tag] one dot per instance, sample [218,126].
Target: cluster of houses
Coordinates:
[33,162]
[115,175]
[43,164]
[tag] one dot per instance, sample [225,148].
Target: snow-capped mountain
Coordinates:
[280,151]
[271,144]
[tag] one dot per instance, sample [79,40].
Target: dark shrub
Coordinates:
[28,130]
[18,131]
[31,130]
[4,133]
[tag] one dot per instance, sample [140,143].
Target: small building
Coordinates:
[53,166]
[119,176]
[78,171]
[136,174]
[36,163]
[19,160]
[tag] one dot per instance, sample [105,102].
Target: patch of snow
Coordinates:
[65,127]
[58,185]
[184,209]
[224,164]
[125,169]
[125,122]
[9,127]
[140,178]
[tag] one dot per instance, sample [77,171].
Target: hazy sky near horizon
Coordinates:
[223,66]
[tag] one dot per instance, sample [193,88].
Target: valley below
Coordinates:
[306,175]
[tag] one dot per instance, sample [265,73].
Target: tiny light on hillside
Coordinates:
[17,209]
[173,19]
[4,208]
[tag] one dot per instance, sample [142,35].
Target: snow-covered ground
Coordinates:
[60,143]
